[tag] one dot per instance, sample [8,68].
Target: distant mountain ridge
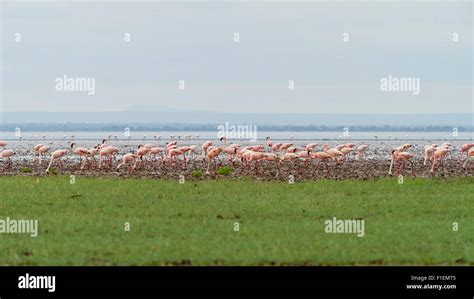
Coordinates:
[177,117]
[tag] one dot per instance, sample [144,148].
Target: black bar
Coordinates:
[380,282]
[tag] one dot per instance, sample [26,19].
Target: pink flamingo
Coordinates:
[438,155]
[154,151]
[311,147]
[464,148]
[192,150]
[107,151]
[7,154]
[184,150]
[231,153]
[94,152]
[42,150]
[205,146]
[285,146]
[292,149]
[401,157]
[81,152]
[128,158]
[56,155]
[256,157]
[245,155]
[470,154]
[346,150]
[322,157]
[142,151]
[3,143]
[173,154]
[288,157]
[429,150]
[333,152]
[213,153]
[276,147]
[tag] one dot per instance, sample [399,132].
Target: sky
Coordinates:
[279,41]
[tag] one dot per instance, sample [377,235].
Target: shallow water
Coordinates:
[260,135]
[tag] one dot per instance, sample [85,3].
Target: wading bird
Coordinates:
[82,153]
[7,154]
[464,148]
[42,150]
[401,157]
[429,150]
[361,150]
[470,154]
[211,155]
[205,146]
[56,155]
[127,159]
[438,155]
[333,152]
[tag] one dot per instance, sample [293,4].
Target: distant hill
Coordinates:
[172,118]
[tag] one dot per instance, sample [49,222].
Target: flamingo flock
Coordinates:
[103,155]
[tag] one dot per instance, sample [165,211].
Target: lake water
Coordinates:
[212,135]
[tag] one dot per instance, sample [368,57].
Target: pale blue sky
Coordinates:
[279,41]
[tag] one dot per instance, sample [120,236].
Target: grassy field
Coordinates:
[279,223]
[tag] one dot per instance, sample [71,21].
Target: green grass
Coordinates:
[280,223]
[197,173]
[225,170]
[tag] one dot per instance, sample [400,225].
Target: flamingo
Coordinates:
[7,154]
[173,154]
[142,151]
[322,157]
[231,152]
[94,151]
[128,158]
[183,150]
[213,153]
[362,149]
[272,157]
[276,147]
[269,142]
[192,150]
[346,150]
[333,152]
[245,156]
[429,150]
[223,141]
[310,147]
[470,154]
[106,151]
[439,154]
[285,146]
[3,143]
[81,152]
[292,149]
[56,155]
[464,148]
[305,156]
[401,157]
[256,156]
[42,150]
[288,157]
[155,151]
[205,146]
